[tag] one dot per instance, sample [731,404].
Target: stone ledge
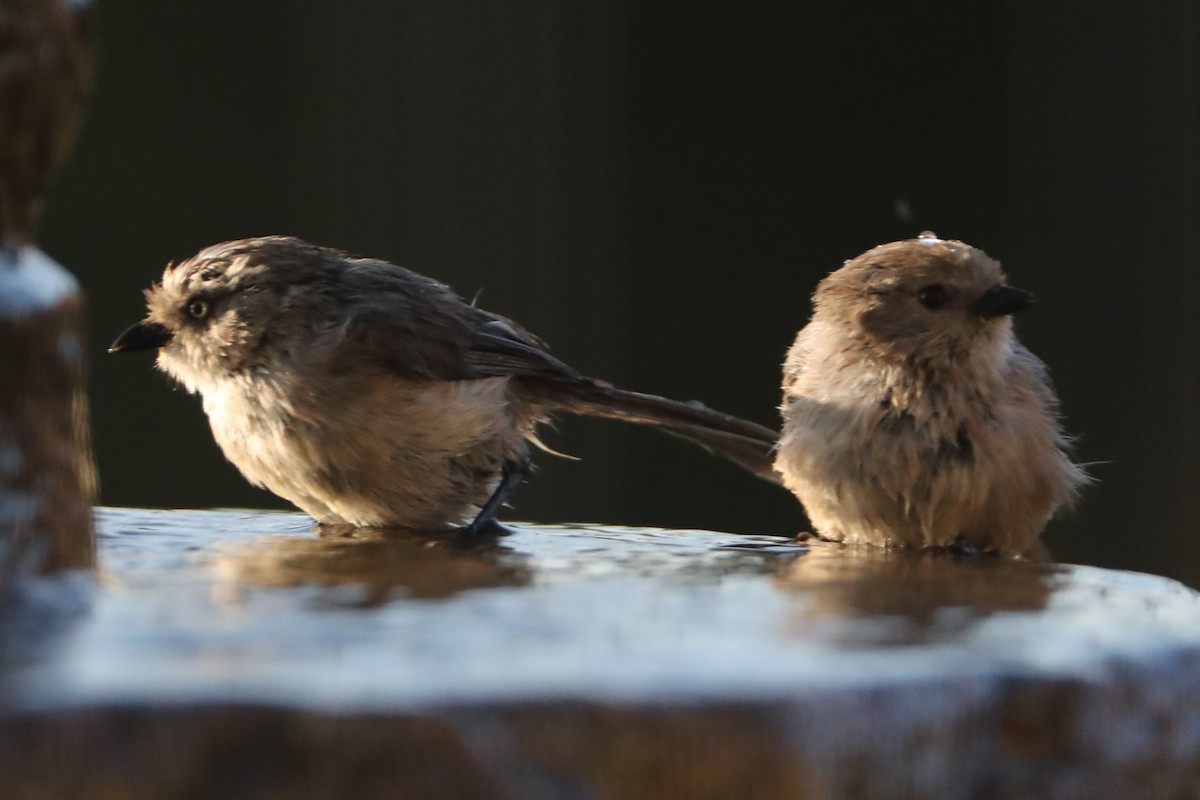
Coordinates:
[47,479]
[238,655]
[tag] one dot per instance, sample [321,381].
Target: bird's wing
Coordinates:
[416,327]
[501,347]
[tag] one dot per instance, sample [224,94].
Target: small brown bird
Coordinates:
[371,395]
[912,416]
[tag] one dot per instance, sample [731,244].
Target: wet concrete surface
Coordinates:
[242,654]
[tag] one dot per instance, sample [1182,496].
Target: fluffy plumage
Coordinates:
[912,415]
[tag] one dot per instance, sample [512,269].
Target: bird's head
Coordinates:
[926,299]
[213,315]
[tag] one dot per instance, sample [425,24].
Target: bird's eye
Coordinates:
[933,296]
[197,308]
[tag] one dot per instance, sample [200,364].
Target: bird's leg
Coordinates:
[961,546]
[804,537]
[511,476]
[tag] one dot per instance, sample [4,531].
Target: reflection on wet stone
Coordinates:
[918,596]
[383,564]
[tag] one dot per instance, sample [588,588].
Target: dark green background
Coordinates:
[656,188]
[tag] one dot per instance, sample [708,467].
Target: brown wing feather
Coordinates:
[416,327]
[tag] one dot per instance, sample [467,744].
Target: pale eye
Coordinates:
[197,308]
[933,296]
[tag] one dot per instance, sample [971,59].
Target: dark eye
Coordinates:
[197,308]
[932,296]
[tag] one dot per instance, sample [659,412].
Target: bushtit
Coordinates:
[371,395]
[912,416]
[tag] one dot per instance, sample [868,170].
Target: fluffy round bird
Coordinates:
[368,394]
[913,417]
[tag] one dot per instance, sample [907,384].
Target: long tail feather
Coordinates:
[747,444]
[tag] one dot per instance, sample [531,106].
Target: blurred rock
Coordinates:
[47,481]
[45,70]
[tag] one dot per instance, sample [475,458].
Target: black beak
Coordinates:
[142,336]
[1000,301]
